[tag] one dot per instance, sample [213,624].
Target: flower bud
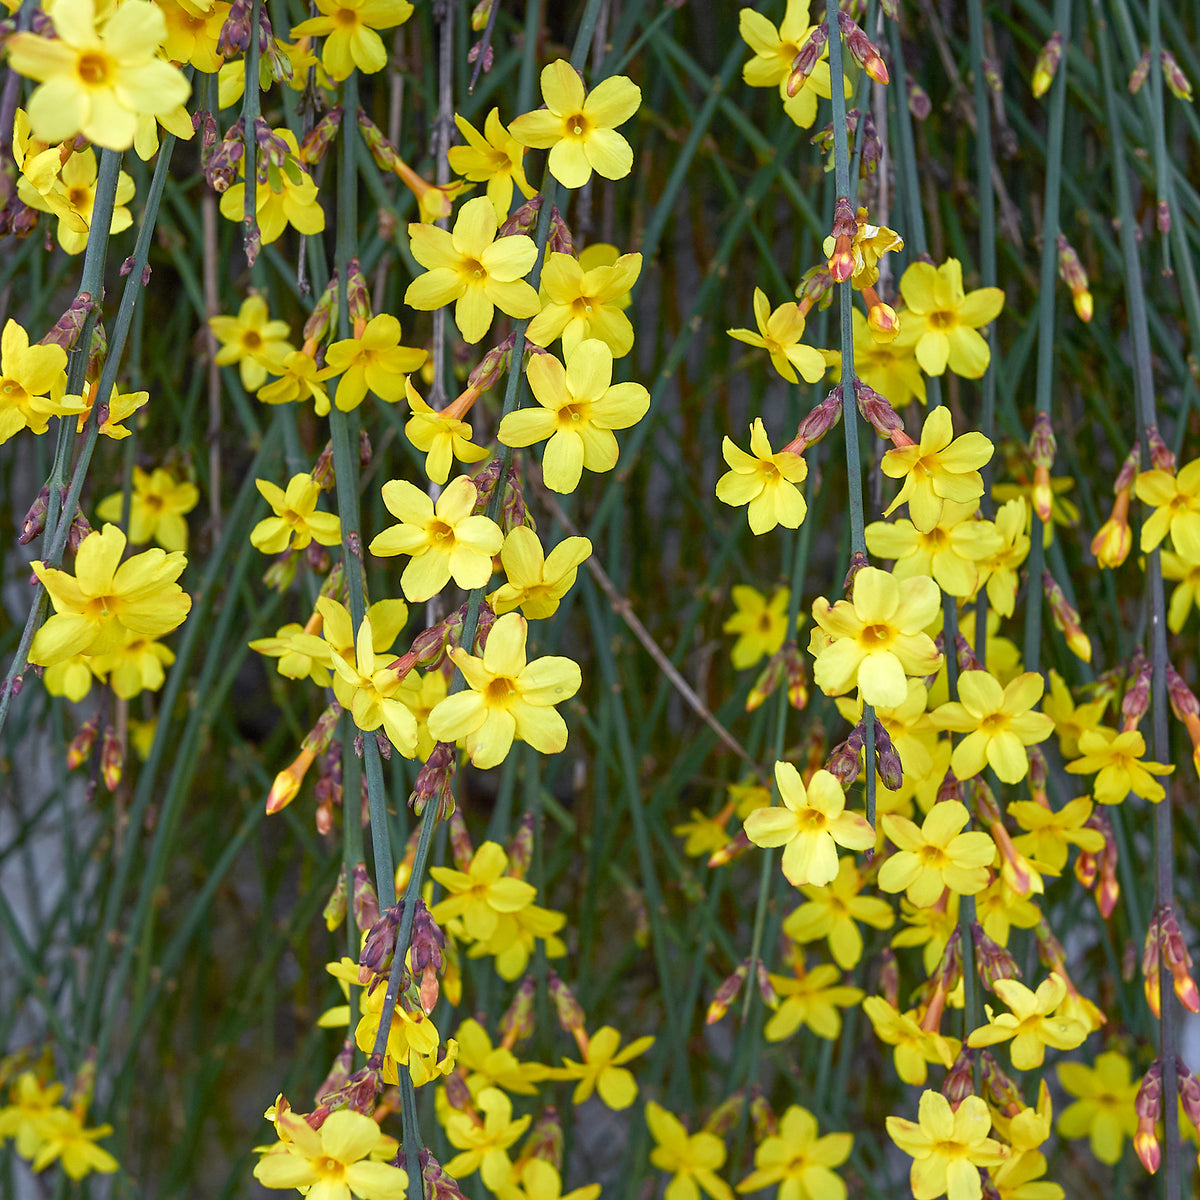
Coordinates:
[1176,958]
[66,330]
[723,1119]
[843,763]
[887,759]
[570,1014]
[1066,618]
[320,137]
[379,946]
[321,318]
[1136,701]
[992,961]
[112,758]
[366,902]
[334,911]
[1071,271]
[806,60]
[727,993]
[876,411]
[1162,457]
[545,1140]
[1174,77]
[517,1023]
[1148,1105]
[34,523]
[960,1079]
[437,1184]
[769,678]
[1042,448]
[287,783]
[520,848]
[1046,66]
[845,226]
[1162,217]
[818,422]
[862,49]
[727,853]
[561,241]
[919,104]
[882,319]
[524,220]
[461,849]
[1112,543]
[435,781]
[1140,73]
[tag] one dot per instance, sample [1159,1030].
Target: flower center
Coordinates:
[252,341]
[12,391]
[571,416]
[439,531]
[329,1168]
[993,723]
[875,636]
[932,856]
[764,623]
[578,125]
[473,271]
[347,18]
[93,68]
[942,320]
[80,198]
[500,692]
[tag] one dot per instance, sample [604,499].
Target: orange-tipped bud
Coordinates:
[841,261]
[1084,307]
[287,783]
[730,850]
[1112,544]
[1015,868]
[882,320]
[112,759]
[1145,1143]
[1046,66]
[82,743]
[727,993]
[1043,494]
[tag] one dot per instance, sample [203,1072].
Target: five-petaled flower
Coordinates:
[348,27]
[32,382]
[297,520]
[761,625]
[537,581]
[692,1159]
[586,303]
[493,156]
[578,127]
[1104,1111]
[474,268]
[764,481]
[810,826]
[375,361]
[936,855]
[945,321]
[603,1068]
[779,333]
[506,697]
[1033,1024]
[1116,760]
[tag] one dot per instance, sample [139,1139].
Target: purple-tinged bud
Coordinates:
[966,654]
[438,1185]
[1175,79]
[951,788]
[876,411]
[524,220]
[991,959]
[66,330]
[858,560]
[843,763]
[520,848]
[1140,73]
[561,241]
[727,993]
[339,1073]
[320,137]
[34,523]
[889,976]
[960,1079]
[766,989]
[320,320]
[545,1140]
[862,49]
[358,296]
[493,365]
[998,1085]
[366,901]
[379,946]
[517,1023]
[887,759]
[765,1123]
[234,38]
[570,1014]
[1136,701]
[334,911]
[80,747]
[1162,217]
[435,782]
[820,421]
[1162,457]
[1046,66]
[919,104]
[806,60]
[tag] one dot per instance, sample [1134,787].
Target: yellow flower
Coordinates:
[441,435]
[158,504]
[301,379]
[1070,719]
[542,1182]
[134,667]
[494,156]
[537,582]
[998,724]
[810,826]
[799,1161]
[367,687]
[889,368]
[444,540]
[936,855]
[121,406]
[915,1048]
[1183,567]
[63,1137]
[106,599]
[868,245]
[24,1118]
[1000,569]
[70,195]
[297,521]
[586,303]
[97,82]
[506,697]
[193,32]
[288,197]
[253,341]
[1033,1023]
[374,361]
[951,551]
[948,1146]
[513,943]
[348,27]
[1050,833]
[811,998]
[578,128]
[32,382]
[832,912]
[1116,760]
[478,896]
[876,638]
[942,467]
[472,268]
[945,321]
[484,1143]
[774,51]
[761,626]
[779,333]
[580,407]
[692,1160]
[603,1069]
[764,481]
[1104,1111]
[332,1162]
[493,1066]
[1176,503]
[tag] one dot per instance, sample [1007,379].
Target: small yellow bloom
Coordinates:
[444,540]
[578,127]
[97,81]
[779,333]
[135,666]
[761,626]
[121,406]
[252,340]
[584,303]
[297,520]
[158,504]
[951,552]
[478,896]
[810,998]
[288,197]
[441,435]
[936,856]
[889,368]
[1033,1024]
[537,581]
[1000,569]
[32,1102]
[833,912]
[32,382]
[603,1069]
[877,638]
[1104,1111]
[349,29]
[374,362]
[1184,568]
[945,321]
[1176,503]
[692,1160]
[915,1048]
[1116,760]
[799,1161]
[810,826]
[484,1143]
[580,406]
[764,481]
[301,379]
[474,269]
[493,156]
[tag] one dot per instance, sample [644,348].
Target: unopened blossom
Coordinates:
[105,599]
[947,1146]
[375,361]
[507,697]
[810,826]
[349,29]
[764,481]
[1033,1024]
[579,407]
[333,1162]
[1117,761]
[800,1162]
[936,855]
[940,467]
[444,539]
[586,303]
[946,321]
[537,581]
[493,157]
[473,268]
[761,625]
[779,334]
[579,127]
[877,638]
[97,81]
[158,503]
[998,723]
[297,520]
[692,1159]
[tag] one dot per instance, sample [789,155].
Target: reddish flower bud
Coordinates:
[1140,73]
[334,911]
[727,993]
[517,1023]
[806,60]
[520,848]
[366,901]
[1175,79]
[1046,66]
